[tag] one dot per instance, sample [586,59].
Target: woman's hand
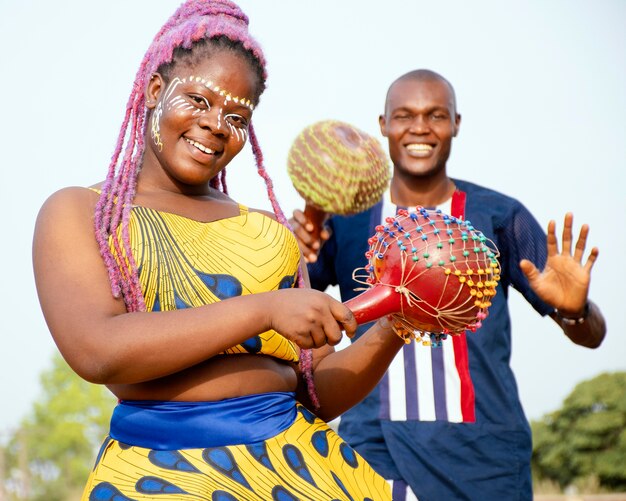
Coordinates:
[309,318]
[564,282]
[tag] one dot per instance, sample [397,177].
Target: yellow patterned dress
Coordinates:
[254,448]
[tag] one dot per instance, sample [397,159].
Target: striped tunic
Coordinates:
[448,422]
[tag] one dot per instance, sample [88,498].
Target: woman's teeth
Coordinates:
[204,149]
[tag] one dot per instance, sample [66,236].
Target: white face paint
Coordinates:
[177,100]
[156,126]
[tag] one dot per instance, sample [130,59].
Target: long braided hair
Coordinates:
[195,24]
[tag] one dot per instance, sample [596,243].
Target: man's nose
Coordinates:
[419,125]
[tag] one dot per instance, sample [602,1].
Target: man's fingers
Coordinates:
[567,233]
[529,269]
[581,243]
[299,216]
[593,255]
[553,247]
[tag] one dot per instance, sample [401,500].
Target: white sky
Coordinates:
[541,86]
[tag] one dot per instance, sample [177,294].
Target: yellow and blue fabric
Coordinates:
[184,263]
[262,447]
[304,460]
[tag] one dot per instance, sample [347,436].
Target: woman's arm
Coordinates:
[343,378]
[105,344]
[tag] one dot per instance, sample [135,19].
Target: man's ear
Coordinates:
[457,124]
[153,90]
[382,122]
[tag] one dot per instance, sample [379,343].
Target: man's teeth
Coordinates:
[200,147]
[419,147]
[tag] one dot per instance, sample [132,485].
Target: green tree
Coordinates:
[586,438]
[50,456]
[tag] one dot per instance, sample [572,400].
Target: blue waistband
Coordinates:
[190,425]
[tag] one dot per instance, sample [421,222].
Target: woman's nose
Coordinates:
[214,121]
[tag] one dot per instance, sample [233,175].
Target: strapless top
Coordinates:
[184,263]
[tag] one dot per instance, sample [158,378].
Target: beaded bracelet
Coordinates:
[574,321]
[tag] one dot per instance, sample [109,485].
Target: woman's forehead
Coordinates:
[227,70]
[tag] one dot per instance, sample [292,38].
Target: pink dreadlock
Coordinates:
[194,22]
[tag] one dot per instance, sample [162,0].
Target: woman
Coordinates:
[184,304]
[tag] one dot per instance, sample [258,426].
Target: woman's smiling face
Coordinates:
[200,118]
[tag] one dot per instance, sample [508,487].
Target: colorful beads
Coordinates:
[457,304]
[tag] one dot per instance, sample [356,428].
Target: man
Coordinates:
[422,425]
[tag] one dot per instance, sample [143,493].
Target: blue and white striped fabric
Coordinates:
[423,383]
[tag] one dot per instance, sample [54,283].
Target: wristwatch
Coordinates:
[574,321]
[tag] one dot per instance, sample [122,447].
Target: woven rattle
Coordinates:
[433,273]
[337,169]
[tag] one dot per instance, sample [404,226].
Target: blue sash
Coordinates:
[170,425]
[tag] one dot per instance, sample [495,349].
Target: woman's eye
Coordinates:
[237,120]
[200,100]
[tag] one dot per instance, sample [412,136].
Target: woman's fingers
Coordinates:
[318,337]
[345,319]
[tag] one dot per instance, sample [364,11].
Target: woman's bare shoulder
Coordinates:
[72,197]
[67,209]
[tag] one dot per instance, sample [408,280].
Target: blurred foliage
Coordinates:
[584,442]
[50,455]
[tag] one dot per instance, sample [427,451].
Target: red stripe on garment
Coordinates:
[467,387]
[460,342]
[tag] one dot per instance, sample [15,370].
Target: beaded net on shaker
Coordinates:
[338,168]
[443,271]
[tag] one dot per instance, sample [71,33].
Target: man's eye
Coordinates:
[237,120]
[401,117]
